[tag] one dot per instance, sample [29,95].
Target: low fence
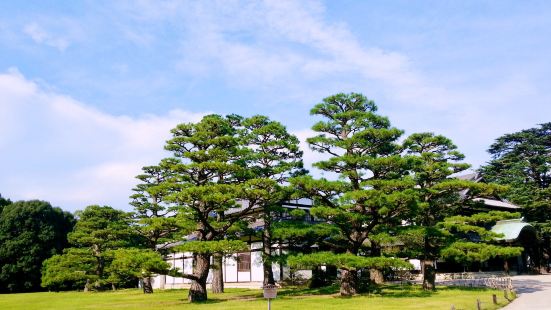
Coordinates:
[497,282]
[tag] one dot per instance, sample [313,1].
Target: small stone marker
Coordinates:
[478,304]
[270,292]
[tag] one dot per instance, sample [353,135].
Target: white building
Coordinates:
[243,269]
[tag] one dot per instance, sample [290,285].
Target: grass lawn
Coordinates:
[388,297]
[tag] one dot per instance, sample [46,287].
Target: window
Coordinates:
[244,262]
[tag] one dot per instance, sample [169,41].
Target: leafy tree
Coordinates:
[138,264]
[210,178]
[373,187]
[523,161]
[436,159]
[30,232]
[3,202]
[275,156]
[471,239]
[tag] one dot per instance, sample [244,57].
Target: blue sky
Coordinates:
[90,89]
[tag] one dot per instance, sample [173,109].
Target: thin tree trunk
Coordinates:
[349,282]
[376,276]
[87,286]
[198,289]
[147,286]
[217,285]
[429,275]
[506,266]
[267,253]
[319,278]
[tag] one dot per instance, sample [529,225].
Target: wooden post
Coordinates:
[453,307]
[478,304]
[494,298]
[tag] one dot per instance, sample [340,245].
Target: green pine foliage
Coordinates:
[472,241]
[136,264]
[346,261]
[98,231]
[154,219]
[217,246]
[69,271]
[467,253]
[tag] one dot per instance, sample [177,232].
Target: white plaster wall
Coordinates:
[156,282]
[257,269]
[230,268]
[277,272]
[187,267]
[304,274]
[243,276]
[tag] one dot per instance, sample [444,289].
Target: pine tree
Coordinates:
[137,264]
[275,156]
[98,231]
[154,219]
[372,187]
[210,180]
[436,159]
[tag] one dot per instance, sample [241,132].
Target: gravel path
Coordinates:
[534,293]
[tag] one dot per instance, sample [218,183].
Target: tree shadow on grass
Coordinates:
[405,291]
[382,291]
[208,301]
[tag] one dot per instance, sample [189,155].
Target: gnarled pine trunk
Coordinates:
[429,275]
[147,286]
[198,289]
[428,267]
[349,282]
[376,276]
[217,285]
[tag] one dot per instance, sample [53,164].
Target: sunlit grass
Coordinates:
[385,297]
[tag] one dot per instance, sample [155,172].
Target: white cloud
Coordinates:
[290,49]
[41,36]
[284,44]
[58,149]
